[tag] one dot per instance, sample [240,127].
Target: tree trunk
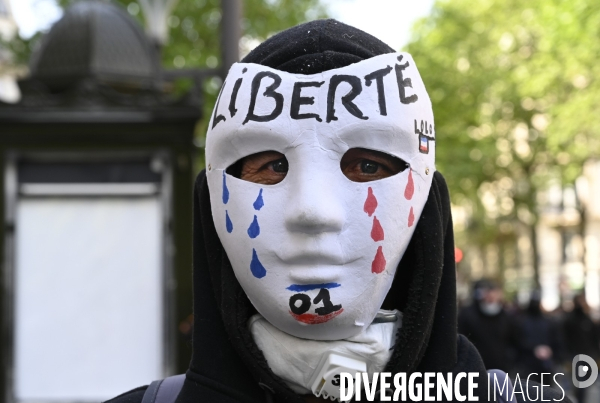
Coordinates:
[535,255]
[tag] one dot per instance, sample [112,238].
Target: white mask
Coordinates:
[317,253]
[490,308]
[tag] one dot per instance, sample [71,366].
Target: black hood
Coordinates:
[225,356]
[315,47]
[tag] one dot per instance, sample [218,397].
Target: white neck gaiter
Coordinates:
[295,360]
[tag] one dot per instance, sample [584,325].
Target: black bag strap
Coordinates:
[165,390]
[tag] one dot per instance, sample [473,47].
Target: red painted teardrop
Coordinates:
[410,186]
[411,217]
[370,203]
[377,230]
[378,265]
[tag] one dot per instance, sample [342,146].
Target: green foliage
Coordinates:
[20,49]
[514,94]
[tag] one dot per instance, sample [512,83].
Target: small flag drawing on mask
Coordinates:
[423,144]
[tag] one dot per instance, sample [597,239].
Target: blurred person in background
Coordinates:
[581,335]
[540,341]
[489,327]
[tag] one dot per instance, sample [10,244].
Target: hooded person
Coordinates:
[542,341]
[322,232]
[494,332]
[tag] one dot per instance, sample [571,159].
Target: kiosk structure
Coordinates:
[97,172]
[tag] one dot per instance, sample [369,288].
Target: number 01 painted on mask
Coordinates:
[322,296]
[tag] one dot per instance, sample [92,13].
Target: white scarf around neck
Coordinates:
[295,360]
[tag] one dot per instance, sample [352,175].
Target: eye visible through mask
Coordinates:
[266,168]
[363,165]
[357,164]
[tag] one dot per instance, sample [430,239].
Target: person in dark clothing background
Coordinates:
[581,335]
[489,327]
[541,341]
[233,363]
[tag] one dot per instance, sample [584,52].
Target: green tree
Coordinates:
[514,94]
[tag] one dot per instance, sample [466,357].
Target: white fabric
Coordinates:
[295,360]
[318,235]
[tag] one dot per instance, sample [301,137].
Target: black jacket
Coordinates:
[226,364]
[495,337]
[581,334]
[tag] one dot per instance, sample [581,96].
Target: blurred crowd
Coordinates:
[527,340]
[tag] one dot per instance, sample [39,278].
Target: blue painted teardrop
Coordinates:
[254,229]
[225,190]
[259,201]
[256,267]
[228,223]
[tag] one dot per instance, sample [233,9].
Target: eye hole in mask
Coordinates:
[266,168]
[363,165]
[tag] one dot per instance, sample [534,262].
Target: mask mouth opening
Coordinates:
[366,165]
